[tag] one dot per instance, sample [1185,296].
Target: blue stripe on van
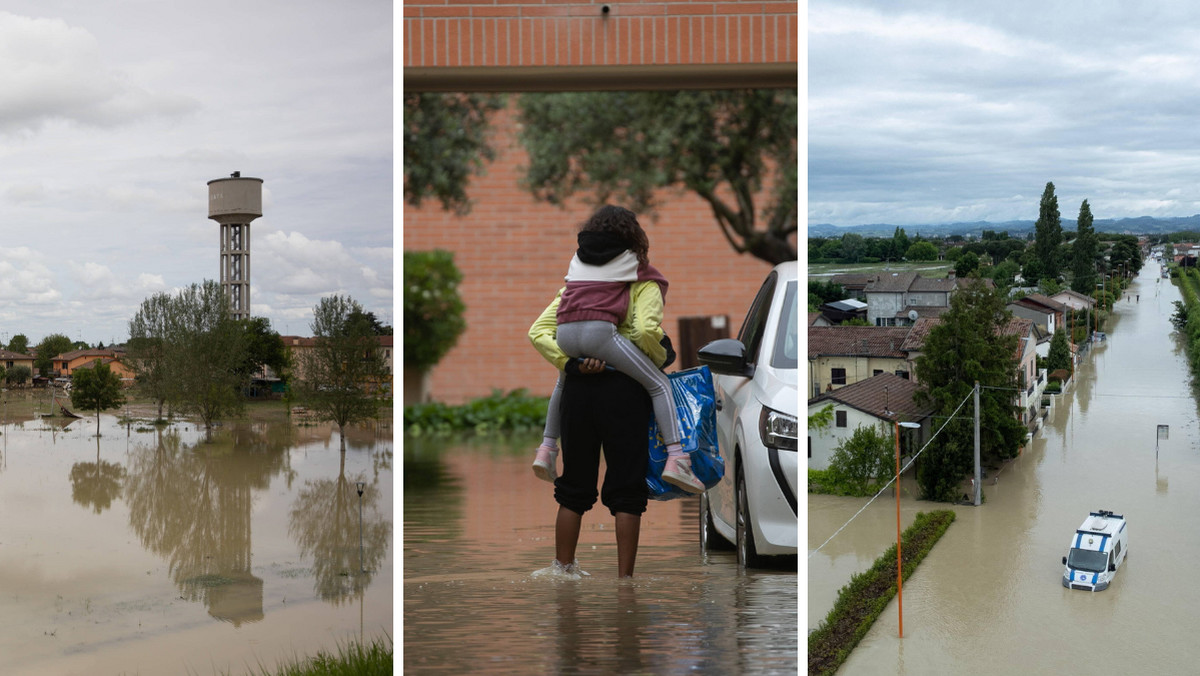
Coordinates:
[1078,539]
[1103,541]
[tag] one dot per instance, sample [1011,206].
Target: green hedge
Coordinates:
[499,412]
[824,482]
[861,601]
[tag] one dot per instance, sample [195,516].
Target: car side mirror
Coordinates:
[1112,567]
[726,356]
[1064,560]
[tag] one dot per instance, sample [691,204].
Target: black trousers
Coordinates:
[608,411]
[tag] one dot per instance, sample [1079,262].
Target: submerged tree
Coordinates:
[205,355]
[146,350]
[96,388]
[340,374]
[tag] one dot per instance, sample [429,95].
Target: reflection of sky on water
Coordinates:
[262,519]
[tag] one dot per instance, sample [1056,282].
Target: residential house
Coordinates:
[818,319]
[879,401]
[844,355]
[1074,300]
[115,365]
[298,346]
[10,360]
[1031,380]
[63,365]
[854,285]
[900,298]
[1046,312]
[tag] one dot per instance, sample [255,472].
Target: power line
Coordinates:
[893,479]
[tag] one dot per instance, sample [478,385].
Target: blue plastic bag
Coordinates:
[695,404]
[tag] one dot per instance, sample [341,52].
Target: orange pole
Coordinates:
[899,575]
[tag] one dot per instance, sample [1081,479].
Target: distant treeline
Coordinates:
[1144,225]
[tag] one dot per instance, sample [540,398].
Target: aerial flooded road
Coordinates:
[989,598]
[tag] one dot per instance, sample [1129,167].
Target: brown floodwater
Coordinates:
[989,599]
[478,524]
[153,551]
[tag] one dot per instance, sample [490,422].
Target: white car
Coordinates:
[756,379]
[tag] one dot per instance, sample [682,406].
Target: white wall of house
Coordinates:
[883,305]
[821,444]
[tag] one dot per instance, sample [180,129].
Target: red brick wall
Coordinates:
[555,33]
[513,253]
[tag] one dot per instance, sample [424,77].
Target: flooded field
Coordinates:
[149,550]
[989,598]
[477,523]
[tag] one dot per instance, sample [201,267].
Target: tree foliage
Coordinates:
[1048,233]
[863,461]
[338,374]
[726,146]
[97,389]
[50,347]
[969,345]
[19,344]
[445,143]
[1060,352]
[1083,253]
[922,251]
[18,375]
[188,350]
[433,310]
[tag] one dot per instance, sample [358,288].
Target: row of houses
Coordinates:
[868,373]
[66,364]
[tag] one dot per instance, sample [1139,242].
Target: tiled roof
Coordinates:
[878,395]
[1039,301]
[6,355]
[812,317]
[850,281]
[918,332]
[891,282]
[862,341]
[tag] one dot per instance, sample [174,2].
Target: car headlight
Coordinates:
[778,429]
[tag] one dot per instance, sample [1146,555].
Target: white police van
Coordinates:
[1098,549]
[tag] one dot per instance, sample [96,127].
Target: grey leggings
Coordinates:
[599,339]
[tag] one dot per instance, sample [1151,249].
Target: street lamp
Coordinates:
[899,581]
[361,567]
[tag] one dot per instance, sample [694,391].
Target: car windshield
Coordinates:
[1087,559]
[787,343]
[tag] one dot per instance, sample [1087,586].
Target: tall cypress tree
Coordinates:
[1048,233]
[1083,253]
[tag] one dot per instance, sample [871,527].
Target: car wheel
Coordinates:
[747,554]
[710,539]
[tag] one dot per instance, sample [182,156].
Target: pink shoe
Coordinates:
[678,473]
[545,463]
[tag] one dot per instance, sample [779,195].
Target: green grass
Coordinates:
[351,659]
[866,596]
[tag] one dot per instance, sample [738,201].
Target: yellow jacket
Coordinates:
[642,325]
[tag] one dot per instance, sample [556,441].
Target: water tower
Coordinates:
[234,202]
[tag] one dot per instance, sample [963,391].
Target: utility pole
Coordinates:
[978,473]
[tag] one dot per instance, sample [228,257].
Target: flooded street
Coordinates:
[477,523]
[989,599]
[148,550]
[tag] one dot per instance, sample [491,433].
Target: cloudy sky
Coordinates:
[113,117]
[945,111]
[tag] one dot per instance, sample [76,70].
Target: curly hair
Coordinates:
[623,223]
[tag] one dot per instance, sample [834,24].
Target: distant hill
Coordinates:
[1142,225]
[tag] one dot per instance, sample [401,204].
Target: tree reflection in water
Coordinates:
[324,523]
[95,484]
[192,507]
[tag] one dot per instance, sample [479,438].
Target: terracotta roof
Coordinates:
[1039,301]
[6,355]
[893,282]
[850,281]
[878,395]
[862,341]
[812,317]
[923,311]
[90,352]
[918,332]
[943,284]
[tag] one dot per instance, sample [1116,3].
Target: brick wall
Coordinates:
[457,33]
[513,253]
